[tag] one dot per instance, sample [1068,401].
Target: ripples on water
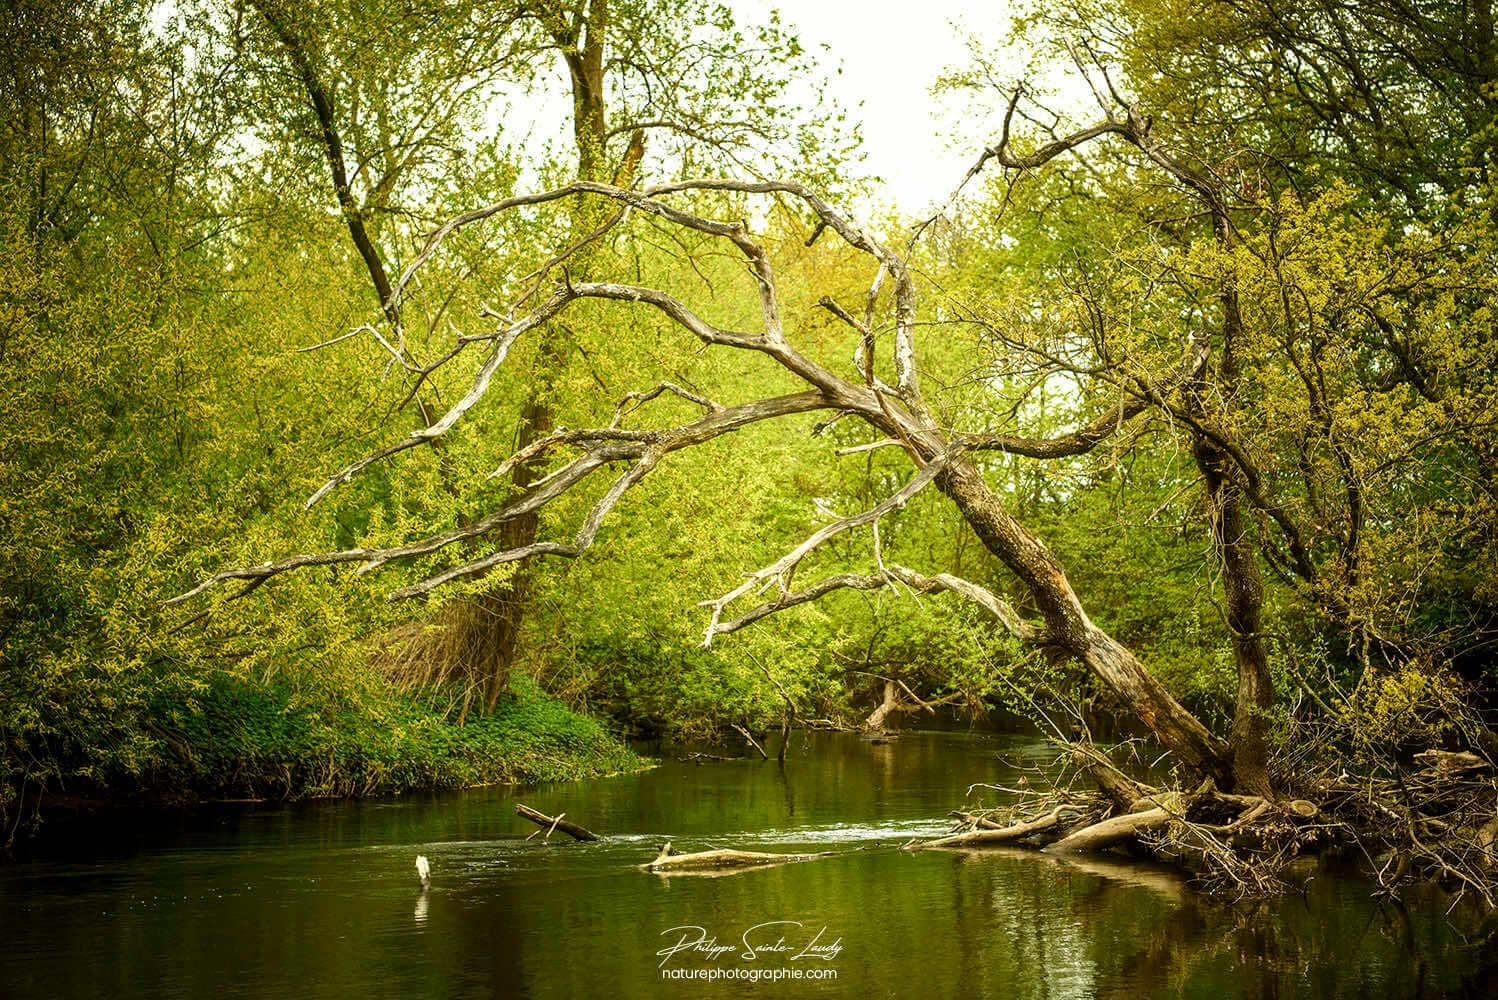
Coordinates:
[321,899]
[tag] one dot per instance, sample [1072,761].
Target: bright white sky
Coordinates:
[891,53]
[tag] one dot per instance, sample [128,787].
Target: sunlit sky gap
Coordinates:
[880,60]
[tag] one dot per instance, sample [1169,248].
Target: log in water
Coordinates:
[671,860]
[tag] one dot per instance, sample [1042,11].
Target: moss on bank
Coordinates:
[231,737]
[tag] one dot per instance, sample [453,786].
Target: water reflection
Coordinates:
[315,900]
[421,907]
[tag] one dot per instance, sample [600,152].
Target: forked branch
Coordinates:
[781,571]
[601,447]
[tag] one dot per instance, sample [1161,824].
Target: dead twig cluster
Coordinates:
[1437,820]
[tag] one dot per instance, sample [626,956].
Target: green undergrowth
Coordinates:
[227,736]
[270,740]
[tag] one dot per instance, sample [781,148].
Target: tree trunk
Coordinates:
[1245,598]
[890,703]
[1236,555]
[587,68]
[508,600]
[1069,629]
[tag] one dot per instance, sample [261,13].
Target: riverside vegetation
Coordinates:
[1181,414]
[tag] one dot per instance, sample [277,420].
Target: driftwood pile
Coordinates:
[1439,820]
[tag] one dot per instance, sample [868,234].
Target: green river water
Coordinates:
[321,899]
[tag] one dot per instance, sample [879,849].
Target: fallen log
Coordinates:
[1003,835]
[672,861]
[1111,831]
[554,823]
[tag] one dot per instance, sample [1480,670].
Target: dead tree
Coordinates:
[899,699]
[886,395]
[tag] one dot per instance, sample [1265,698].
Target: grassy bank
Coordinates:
[229,737]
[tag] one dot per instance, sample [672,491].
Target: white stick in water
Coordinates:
[424,869]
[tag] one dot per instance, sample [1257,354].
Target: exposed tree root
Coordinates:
[1440,821]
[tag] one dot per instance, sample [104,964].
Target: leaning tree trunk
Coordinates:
[899,412]
[1069,629]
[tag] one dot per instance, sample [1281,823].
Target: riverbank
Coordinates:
[238,739]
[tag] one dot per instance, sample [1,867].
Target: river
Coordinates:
[320,899]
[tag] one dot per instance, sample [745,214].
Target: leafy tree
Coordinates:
[680,71]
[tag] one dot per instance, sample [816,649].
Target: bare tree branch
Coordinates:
[580,543]
[989,601]
[604,446]
[986,599]
[641,398]
[783,569]
[503,340]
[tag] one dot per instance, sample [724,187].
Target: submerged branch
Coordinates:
[554,823]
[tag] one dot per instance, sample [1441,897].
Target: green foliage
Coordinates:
[169,246]
[222,735]
[1396,715]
